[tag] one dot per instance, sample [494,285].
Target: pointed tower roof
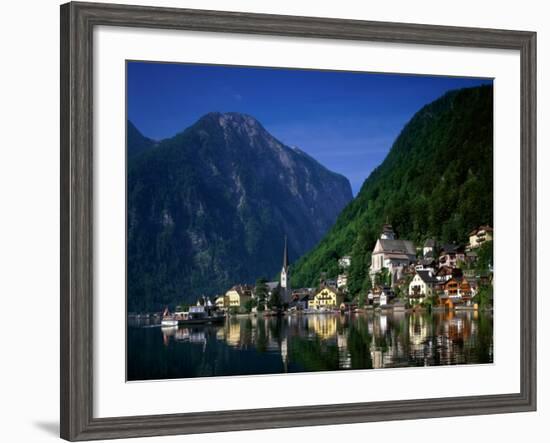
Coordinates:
[285,256]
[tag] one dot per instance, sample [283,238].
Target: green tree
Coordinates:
[437,179]
[249,304]
[484,258]
[382,278]
[275,301]
[261,293]
[484,296]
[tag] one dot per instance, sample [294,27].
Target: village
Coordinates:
[402,276]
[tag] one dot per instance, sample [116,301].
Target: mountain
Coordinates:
[210,207]
[136,142]
[436,182]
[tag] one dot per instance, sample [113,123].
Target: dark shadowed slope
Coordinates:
[210,207]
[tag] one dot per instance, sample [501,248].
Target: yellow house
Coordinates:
[237,296]
[220,301]
[326,297]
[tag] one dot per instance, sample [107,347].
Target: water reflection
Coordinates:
[257,345]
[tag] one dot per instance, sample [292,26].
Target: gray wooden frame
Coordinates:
[77,24]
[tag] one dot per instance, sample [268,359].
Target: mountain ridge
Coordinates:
[436,181]
[209,208]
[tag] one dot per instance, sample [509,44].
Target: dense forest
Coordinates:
[436,182]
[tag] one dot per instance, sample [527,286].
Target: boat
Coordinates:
[168,321]
[195,316]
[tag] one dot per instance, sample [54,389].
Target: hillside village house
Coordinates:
[344,262]
[445,273]
[326,297]
[479,236]
[451,255]
[342,281]
[429,248]
[457,288]
[391,253]
[238,295]
[422,285]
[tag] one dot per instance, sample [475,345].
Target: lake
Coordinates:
[304,343]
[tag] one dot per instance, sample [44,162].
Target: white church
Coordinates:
[392,254]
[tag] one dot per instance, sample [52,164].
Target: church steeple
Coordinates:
[285,256]
[285,274]
[387,232]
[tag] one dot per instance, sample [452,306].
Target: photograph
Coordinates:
[284,220]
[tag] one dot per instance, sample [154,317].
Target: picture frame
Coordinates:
[77,212]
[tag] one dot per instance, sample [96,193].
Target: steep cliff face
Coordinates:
[210,207]
[136,141]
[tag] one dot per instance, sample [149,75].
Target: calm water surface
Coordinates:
[305,343]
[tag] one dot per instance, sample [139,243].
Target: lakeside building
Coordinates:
[421,286]
[380,296]
[300,298]
[238,295]
[220,301]
[392,254]
[326,297]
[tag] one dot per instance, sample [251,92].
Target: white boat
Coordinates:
[169,322]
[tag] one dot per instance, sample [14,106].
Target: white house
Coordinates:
[342,281]
[422,285]
[429,248]
[344,262]
[479,236]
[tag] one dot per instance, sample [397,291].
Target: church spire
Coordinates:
[285,256]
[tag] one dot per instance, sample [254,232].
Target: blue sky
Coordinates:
[346,120]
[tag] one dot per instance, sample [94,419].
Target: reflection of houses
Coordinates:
[418,330]
[324,326]
[451,255]
[326,297]
[238,295]
[479,236]
[233,333]
[421,286]
[392,254]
